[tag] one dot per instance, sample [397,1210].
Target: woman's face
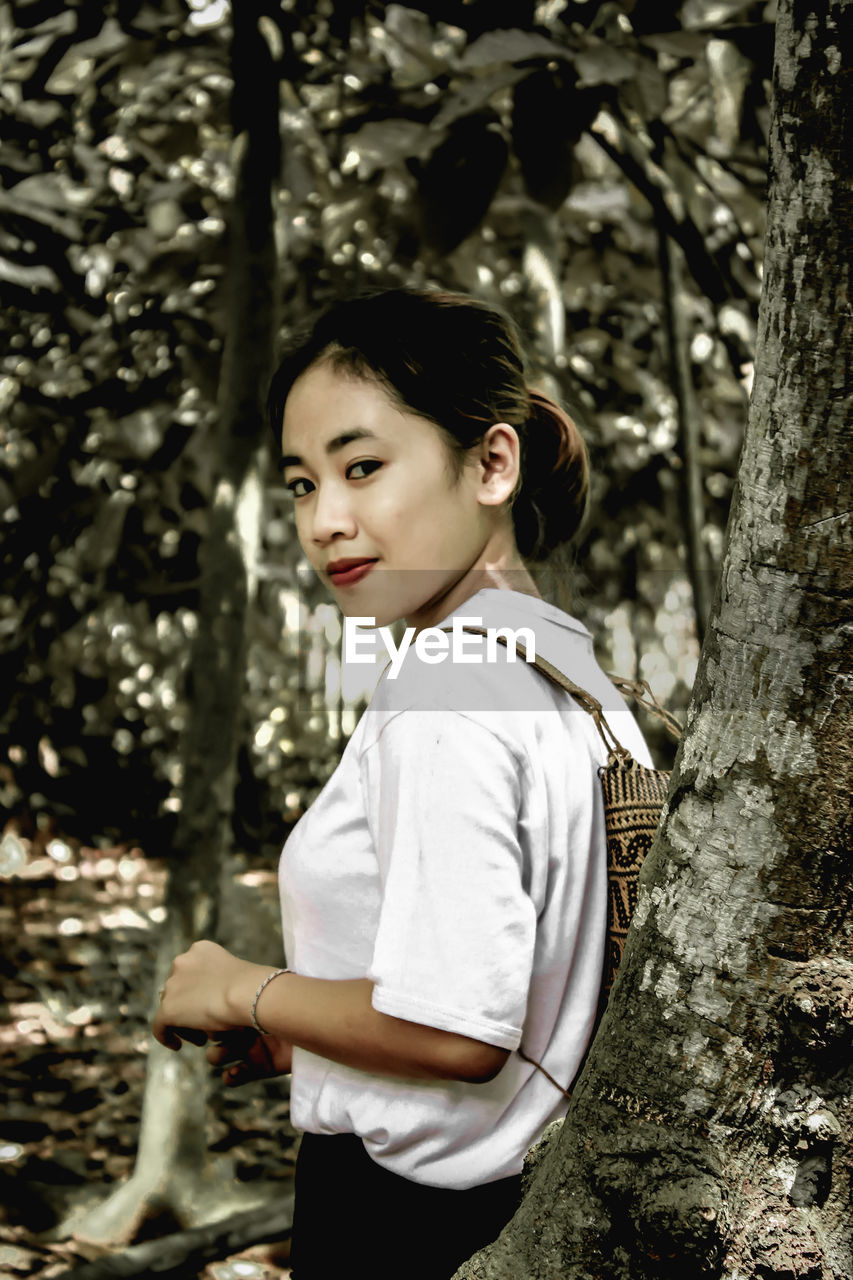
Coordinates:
[372,484]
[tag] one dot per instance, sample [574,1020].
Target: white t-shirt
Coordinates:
[456,858]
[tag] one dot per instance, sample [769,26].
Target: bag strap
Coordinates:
[641,691]
[637,689]
[615,750]
[547,1074]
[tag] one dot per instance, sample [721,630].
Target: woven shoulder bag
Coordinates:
[633,800]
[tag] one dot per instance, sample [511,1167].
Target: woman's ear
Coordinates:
[499,463]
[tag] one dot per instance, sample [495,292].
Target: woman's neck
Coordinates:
[490,575]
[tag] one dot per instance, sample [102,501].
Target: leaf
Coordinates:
[164,216]
[602,64]
[54,191]
[75,67]
[679,44]
[458,182]
[110,39]
[21,59]
[39,277]
[40,114]
[513,45]
[139,434]
[687,182]
[601,201]
[730,73]
[549,115]
[404,41]
[98,544]
[58,24]
[474,94]
[153,19]
[338,220]
[11,205]
[380,143]
[34,47]
[71,75]
[696,15]
[648,91]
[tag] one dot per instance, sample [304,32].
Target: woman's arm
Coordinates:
[213,990]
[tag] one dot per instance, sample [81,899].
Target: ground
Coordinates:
[80,926]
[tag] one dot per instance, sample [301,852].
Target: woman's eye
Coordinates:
[370,463]
[300,487]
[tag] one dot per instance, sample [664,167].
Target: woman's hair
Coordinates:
[457,362]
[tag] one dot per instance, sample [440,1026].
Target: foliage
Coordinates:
[117,168]
[532,154]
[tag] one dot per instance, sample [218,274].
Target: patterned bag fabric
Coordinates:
[633,800]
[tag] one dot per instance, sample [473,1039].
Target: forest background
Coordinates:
[596,168]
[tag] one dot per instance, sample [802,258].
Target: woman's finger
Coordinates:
[254,1064]
[239,1073]
[233,1048]
[218,1053]
[262,1057]
[235,1073]
[194,1034]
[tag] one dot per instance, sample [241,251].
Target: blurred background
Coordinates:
[598,168]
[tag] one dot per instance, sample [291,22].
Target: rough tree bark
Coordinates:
[174,1181]
[712,1131]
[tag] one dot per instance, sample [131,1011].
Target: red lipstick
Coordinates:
[345,572]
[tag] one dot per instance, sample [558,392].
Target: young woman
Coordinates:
[444,898]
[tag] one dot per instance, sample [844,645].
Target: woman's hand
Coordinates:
[243,1055]
[195,996]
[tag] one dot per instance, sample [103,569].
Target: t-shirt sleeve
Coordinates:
[456,934]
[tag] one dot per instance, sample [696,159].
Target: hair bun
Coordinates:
[552,500]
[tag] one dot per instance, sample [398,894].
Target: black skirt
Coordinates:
[354,1217]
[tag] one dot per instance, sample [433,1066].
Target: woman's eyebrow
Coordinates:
[332,446]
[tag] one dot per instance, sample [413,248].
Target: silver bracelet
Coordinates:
[267,979]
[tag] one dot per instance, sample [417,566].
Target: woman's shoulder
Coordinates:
[526,625]
[454,670]
[554,635]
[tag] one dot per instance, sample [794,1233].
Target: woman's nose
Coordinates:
[332,514]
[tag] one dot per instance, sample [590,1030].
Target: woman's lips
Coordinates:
[345,577]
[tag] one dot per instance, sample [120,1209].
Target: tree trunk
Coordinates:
[691,492]
[172,1179]
[712,1131]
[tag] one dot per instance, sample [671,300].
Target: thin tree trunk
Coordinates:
[691,488]
[712,1131]
[172,1179]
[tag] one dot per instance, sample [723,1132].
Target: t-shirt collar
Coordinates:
[500,602]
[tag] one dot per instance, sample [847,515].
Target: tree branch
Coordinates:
[187,1252]
[707,269]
